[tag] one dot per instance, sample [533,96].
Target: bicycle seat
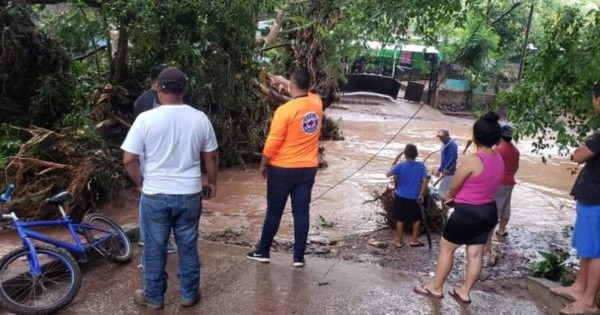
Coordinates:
[59,198]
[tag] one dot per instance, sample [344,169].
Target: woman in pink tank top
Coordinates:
[472,192]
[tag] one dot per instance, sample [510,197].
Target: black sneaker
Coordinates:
[299,262]
[258,257]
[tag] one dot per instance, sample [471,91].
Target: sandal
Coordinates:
[421,290]
[458,297]
[572,310]
[399,245]
[505,234]
[419,244]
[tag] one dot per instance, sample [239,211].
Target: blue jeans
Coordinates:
[161,214]
[281,183]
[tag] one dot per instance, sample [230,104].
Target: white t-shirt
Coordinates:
[170,139]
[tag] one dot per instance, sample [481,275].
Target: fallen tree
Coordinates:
[51,162]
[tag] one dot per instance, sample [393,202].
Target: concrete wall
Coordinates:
[456,101]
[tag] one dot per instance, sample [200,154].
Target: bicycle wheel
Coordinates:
[116,248]
[53,289]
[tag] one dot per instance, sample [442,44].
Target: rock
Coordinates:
[376,243]
[313,232]
[319,251]
[319,240]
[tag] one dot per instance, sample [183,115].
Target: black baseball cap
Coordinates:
[172,76]
[507,131]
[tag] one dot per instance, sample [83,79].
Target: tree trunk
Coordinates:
[119,71]
[310,48]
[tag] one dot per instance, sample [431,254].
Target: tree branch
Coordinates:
[44,163]
[514,6]
[90,53]
[277,46]
[89,3]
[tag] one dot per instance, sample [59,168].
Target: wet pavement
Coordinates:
[232,284]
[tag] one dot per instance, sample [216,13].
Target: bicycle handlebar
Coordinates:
[6,196]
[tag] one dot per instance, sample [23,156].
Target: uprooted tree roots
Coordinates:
[51,162]
[436,217]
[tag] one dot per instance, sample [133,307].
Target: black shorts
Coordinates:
[471,224]
[406,210]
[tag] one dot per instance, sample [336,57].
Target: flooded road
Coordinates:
[541,200]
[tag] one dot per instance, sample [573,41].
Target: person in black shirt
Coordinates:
[586,235]
[149,99]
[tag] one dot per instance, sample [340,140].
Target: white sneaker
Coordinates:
[299,263]
[171,246]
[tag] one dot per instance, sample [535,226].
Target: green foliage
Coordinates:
[324,223]
[29,61]
[552,267]
[9,145]
[476,51]
[385,20]
[213,42]
[553,103]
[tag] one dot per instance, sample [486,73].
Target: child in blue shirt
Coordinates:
[411,184]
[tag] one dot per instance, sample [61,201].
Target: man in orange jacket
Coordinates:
[289,163]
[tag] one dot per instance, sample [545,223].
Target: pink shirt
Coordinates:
[510,154]
[481,189]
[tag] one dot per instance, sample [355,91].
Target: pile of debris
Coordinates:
[435,216]
[51,162]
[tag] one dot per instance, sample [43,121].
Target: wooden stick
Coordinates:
[44,163]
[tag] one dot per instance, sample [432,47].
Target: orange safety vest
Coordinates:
[293,140]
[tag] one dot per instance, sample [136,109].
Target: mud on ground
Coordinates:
[516,252]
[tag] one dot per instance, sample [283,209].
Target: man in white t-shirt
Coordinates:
[147,101]
[173,137]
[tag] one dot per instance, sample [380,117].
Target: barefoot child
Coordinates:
[410,190]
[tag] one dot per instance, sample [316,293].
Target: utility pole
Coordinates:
[524,51]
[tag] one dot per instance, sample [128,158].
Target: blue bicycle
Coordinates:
[42,279]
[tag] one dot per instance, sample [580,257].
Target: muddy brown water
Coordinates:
[541,203]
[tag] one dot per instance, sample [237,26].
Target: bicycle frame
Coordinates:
[26,234]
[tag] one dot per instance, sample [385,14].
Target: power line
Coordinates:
[372,158]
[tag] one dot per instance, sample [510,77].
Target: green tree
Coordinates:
[553,102]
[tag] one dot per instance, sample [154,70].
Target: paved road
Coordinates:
[231,284]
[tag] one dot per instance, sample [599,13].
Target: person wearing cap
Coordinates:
[510,154]
[173,137]
[147,101]
[289,164]
[448,164]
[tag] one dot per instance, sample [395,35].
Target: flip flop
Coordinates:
[458,297]
[562,294]
[570,310]
[399,245]
[421,290]
[502,235]
[420,244]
